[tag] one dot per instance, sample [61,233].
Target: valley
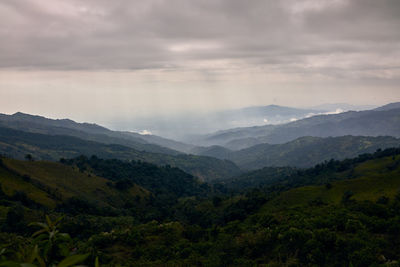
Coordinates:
[140,203]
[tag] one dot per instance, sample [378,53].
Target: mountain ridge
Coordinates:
[17,144]
[91,132]
[363,123]
[302,152]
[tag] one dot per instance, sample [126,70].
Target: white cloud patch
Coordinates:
[337,111]
[145,132]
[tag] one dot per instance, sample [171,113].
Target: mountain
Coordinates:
[383,167]
[17,144]
[274,112]
[302,152]
[187,126]
[213,151]
[364,123]
[390,106]
[342,107]
[91,132]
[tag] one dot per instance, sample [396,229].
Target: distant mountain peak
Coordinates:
[394,105]
[19,114]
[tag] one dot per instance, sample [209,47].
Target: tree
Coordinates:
[29,157]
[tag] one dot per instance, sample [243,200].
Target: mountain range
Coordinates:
[187,126]
[91,132]
[301,143]
[17,144]
[302,152]
[123,199]
[383,121]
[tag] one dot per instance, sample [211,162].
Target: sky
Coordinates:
[103,61]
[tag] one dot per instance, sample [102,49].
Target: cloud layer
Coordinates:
[114,62]
[353,38]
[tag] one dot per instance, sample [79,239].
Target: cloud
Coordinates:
[336,111]
[156,57]
[343,39]
[145,132]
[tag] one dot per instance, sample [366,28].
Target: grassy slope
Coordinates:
[63,181]
[373,179]
[12,182]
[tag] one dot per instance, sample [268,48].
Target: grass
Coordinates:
[49,183]
[11,183]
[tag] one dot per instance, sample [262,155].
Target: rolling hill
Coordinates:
[369,180]
[302,152]
[382,166]
[50,184]
[17,144]
[91,132]
[342,213]
[94,184]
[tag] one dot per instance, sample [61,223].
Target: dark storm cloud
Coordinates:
[286,35]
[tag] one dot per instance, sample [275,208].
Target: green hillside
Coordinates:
[50,184]
[303,152]
[338,213]
[17,144]
[370,180]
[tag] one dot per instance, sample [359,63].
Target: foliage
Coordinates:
[46,247]
[291,220]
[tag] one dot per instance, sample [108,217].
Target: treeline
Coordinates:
[165,180]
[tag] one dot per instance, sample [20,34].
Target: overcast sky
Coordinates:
[99,60]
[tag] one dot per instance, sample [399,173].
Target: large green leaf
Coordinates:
[71,260]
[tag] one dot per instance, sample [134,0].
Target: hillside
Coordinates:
[160,181]
[302,152]
[370,180]
[376,122]
[17,144]
[91,132]
[381,163]
[344,213]
[97,186]
[51,184]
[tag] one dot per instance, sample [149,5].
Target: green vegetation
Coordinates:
[17,144]
[338,213]
[284,178]
[303,152]
[48,247]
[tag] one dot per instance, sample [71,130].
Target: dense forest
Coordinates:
[108,212]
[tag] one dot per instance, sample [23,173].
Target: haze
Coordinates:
[121,61]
